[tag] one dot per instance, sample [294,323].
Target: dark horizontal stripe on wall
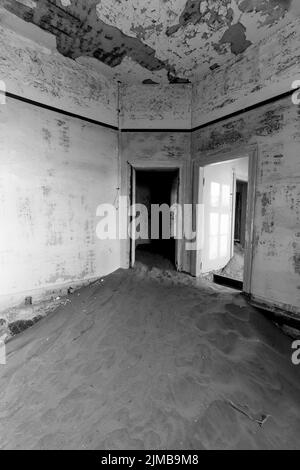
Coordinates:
[245,110]
[60,111]
[147,130]
[223,118]
[156,130]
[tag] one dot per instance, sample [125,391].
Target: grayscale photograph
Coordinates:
[149,228]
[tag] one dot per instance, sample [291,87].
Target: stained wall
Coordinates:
[157,149]
[275,130]
[54,172]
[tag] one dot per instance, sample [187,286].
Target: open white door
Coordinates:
[218,212]
[132,218]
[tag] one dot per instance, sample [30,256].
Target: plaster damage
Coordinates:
[52,79]
[54,171]
[275,130]
[165,41]
[265,70]
[156,106]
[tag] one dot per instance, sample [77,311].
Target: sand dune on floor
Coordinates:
[150,359]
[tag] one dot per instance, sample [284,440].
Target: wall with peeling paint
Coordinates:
[275,128]
[156,106]
[265,70]
[54,171]
[44,75]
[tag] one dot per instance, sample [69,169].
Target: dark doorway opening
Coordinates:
[156,187]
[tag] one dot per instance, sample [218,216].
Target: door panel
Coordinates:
[132,218]
[217,200]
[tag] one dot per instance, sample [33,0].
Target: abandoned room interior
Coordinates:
[150,224]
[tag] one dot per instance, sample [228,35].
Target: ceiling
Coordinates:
[154,40]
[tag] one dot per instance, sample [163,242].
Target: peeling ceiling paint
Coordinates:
[146,41]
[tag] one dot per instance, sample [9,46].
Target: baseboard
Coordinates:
[17,300]
[279,313]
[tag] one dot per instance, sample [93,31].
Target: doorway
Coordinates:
[240,212]
[152,245]
[225,194]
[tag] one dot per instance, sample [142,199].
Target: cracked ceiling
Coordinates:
[154,40]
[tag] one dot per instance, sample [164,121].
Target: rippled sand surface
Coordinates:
[149,359]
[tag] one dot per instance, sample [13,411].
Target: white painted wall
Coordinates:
[54,171]
[217,239]
[276,261]
[265,70]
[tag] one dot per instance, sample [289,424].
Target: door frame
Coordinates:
[250,151]
[136,165]
[133,225]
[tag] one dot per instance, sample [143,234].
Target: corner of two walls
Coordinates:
[55,170]
[266,70]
